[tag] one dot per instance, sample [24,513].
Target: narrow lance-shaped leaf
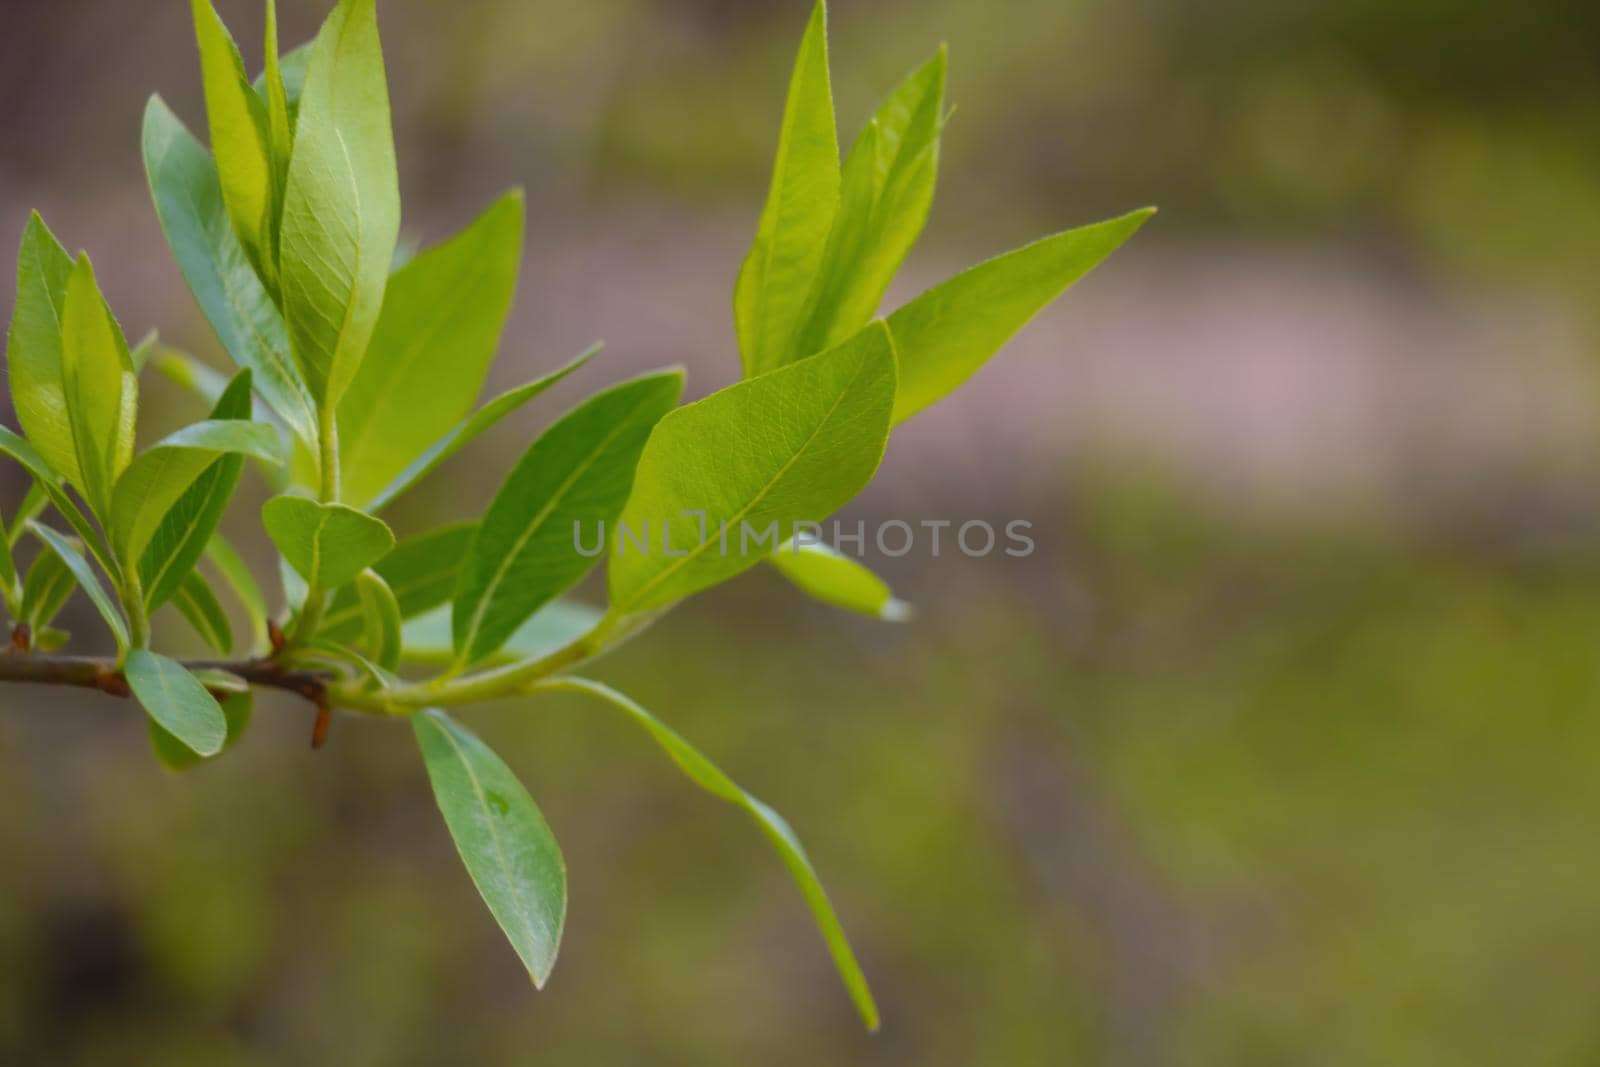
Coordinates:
[421,572]
[241,140]
[426,638]
[200,606]
[709,777]
[177,701]
[34,501]
[188,199]
[187,524]
[503,839]
[341,211]
[725,480]
[442,317]
[947,333]
[326,544]
[280,126]
[87,578]
[834,578]
[778,274]
[576,476]
[45,590]
[381,619]
[48,482]
[33,349]
[233,571]
[10,585]
[102,391]
[468,430]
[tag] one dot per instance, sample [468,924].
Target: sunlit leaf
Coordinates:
[326,544]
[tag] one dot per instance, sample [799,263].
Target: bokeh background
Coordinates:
[1284,747]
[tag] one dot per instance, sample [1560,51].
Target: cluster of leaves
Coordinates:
[359,372]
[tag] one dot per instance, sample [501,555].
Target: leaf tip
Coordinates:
[897,610]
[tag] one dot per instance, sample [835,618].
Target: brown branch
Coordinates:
[90,672]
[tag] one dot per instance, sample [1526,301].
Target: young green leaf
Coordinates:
[834,578]
[724,481]
[341,211]
[198,604]
[49,483]
[165,471]
[426,638]
[380,613]
[888,188]
[177,701]
[242,583]
[504,841]
[186,526]
[241,140]
[280,126]
[177,756]
[188,199]
[709,777]
[45,590]
[326,544]
[777,276]
[34,501]
[101,388]
[33,349]
[441,322]
[465,432]
[421,572]
[575,476]
[947,333]
[86,577]
[10,586]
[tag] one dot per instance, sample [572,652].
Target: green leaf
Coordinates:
[341,211]
[188,199]
[326,544]
[48,482]
[757,459]
[503,839]
[177,756]
[33,504]
[834,578]
[380,613]
[709,777]
[9,585]
[280,123]
[45,590]
[242,583]
[102,390]
[426,638]
[200,606]
[888,188]
[177,701]
[33,349]
[441,322]
[947,333]
[186,526]
[421,572]
[241,140]
[465,432]
[168,469]
[86,577]
[575,476]
[778,274]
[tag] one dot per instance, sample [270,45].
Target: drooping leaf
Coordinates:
[576,476]
[709,777]
[187,525]
[421,572]
[87,578]
[188,199]
[177,756]
[326,544]
[49,483]
[341,211]
[225,558]
[947,333]
[426,638]
[33,349]
[834,578]
[757,458]
[466,431]
[503,839]
[380,613]
[45,590]
[441,322]
[889,180]
[198,604]
[177,701]
[778,274]
[241,141]
[167,470]
[101,388]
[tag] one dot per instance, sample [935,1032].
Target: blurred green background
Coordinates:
[1282,748]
